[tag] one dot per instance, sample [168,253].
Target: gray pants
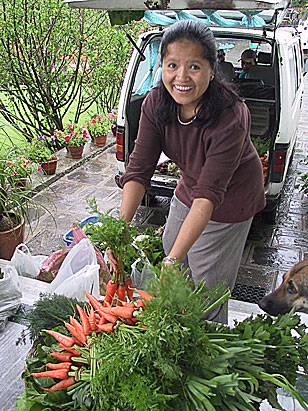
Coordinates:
[215,256]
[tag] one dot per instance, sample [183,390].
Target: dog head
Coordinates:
[293,292]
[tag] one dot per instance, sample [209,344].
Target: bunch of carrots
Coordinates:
[101,317]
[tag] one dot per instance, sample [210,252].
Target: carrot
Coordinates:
[61,356]
[110,318]
[129,288]
[140,303]
[130,304]
[123,312]
[105,310]
[102,321]
[84,320]
[74,352]
[59,366]
[144,295]
[110,291]
[120,294]
[77,326]
[60,374]
[94,301]
[105,327]
[67,382]
[92,320]
[61,338]
[81,338]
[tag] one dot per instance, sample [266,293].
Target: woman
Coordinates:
[201,125]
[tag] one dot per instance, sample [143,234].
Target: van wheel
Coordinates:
[269,217]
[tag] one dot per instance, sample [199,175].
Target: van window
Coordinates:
[294,71]
[148,74]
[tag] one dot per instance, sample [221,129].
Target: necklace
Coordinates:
[188,122]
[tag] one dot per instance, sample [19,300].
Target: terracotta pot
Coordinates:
[75,152]
[10,239]
[50,167]
[100,140]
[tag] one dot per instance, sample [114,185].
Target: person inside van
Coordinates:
[248,59]
[200,123]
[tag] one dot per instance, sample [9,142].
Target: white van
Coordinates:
[272,91]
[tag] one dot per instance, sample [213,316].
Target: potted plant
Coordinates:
[17,203]
[99,126]
[41,150]
[19,166]
[76,136]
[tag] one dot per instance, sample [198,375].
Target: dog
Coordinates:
[293,292]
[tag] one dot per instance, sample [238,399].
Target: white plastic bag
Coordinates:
[78,271]
[10,294]
[26,264]
[141,279]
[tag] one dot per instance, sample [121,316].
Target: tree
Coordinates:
[52,56]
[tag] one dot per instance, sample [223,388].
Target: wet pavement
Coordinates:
[270,249]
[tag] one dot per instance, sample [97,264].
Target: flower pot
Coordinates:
[100,140]
[75,152]
[10,239]
[49,167]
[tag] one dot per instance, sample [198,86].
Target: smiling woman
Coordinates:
[200,124]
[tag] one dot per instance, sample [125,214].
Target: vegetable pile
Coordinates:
[157,353]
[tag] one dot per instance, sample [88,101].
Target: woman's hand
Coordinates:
[113,262]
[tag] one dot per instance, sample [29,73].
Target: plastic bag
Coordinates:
[53,263]
[27,265]
[79,271]
[10,294]
[141,279]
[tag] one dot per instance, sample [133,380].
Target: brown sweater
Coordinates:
[220,164]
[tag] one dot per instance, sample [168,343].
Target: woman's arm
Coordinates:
[192,227]
[132,195]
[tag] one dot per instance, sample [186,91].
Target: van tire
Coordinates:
[269,216]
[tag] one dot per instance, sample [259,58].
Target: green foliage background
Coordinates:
[54,58]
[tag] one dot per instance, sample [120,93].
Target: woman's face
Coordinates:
[186,74]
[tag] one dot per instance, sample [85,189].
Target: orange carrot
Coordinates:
[120,294]
[140,303]
[110,291]
[71,350]
[77,326]
[144,295]
[102,321]
[92,319]
[61,338]
[123,312]
[129,288]
[94,301]
[105,327]
[62,356]
[60,374]
[59,366]
[67,382]
[84,320]
[81,338]
[130,304]
[110,317]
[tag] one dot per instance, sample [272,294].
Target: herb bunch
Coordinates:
[182,362]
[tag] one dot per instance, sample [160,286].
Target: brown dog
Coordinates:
[293,292]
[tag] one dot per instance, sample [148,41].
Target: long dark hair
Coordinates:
[219,94]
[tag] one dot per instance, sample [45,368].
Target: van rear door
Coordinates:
[178,4]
